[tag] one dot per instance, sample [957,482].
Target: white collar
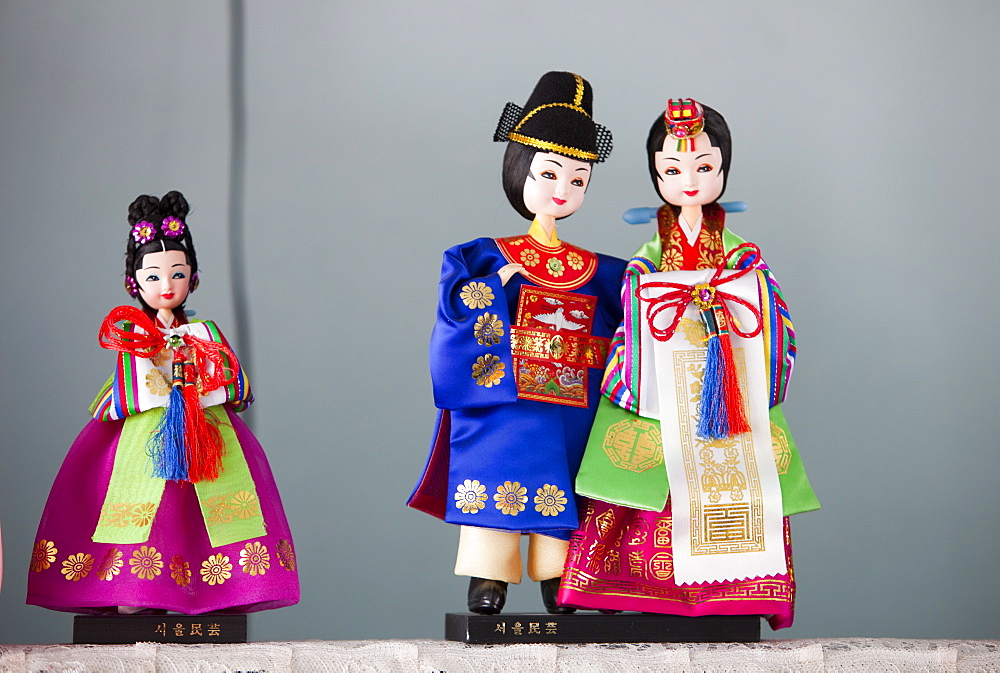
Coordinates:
[690,232]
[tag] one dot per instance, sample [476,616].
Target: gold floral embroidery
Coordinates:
[488,329]
[110,565]
[517,241]
[43,555]
[530,257]
[672,258]
[555,267]
[574,260]
[487,370]
[142,514]
[511,497]
[477,295]
[222,508]
[219,510]
[146,562]
[245,505]
[157,383]
[216,570]
[470,496]
[286,555]
[180,570]
[550,500]
[77,566]
[255,559]
[163,358]
[117,515]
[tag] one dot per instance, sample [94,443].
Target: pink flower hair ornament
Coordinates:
[131,286]
[143,232]
[172,227]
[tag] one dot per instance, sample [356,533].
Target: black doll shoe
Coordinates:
[550,589]
[486,597]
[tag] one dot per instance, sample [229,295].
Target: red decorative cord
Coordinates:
[679,296]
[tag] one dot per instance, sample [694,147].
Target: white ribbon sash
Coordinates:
[725,495]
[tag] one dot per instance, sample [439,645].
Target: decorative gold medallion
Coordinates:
[782,450]
[634,445]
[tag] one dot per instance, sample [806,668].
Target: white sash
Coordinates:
[725,495]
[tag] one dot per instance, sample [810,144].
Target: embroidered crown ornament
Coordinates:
[557,118]
[684,119]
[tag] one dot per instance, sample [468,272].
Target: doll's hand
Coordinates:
[506,272]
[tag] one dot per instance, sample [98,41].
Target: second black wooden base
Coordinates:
[167,628]
[594,627]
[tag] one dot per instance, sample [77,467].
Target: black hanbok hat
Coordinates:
[557,118]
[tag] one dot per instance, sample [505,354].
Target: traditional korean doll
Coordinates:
[690,469]
[165,500]
[523,326]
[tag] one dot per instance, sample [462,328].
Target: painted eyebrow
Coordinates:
[706,154]
[554,161]
[583,169]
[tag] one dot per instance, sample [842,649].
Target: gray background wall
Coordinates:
[865,142]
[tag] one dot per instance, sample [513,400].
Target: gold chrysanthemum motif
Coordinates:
[470,496]
[216,569]
[530,257]
[477,295]
[488,329]
[255,559]
[180,570]
[245,505]
[43,555]
[550,500]
[575,261]
[511,497]
[286,555]
[487,370]
[110,565]
[157,383]
[146,562]
[555,267]
[143,513]
[163,358]
[77,566]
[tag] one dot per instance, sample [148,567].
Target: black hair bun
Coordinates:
[174,204]
[144,207]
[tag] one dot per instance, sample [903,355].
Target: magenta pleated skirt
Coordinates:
[177,568]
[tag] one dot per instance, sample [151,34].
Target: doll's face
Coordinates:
[555,184]
[689,178]
[164,279]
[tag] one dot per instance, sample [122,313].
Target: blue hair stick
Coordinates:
[644,215]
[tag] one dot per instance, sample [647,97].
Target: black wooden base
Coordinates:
[594,627]
[167,628]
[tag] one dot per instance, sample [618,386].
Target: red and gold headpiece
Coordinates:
[684,119]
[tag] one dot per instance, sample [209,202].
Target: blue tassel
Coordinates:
[713,422]
[167,443]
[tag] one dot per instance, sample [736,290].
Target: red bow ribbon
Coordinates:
[679,296]
[152,342]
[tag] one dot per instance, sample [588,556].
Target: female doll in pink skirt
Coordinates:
[647,545]
[165,500]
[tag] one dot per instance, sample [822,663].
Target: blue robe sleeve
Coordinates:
[470,351]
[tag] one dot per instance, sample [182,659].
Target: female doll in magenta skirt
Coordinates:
[523,325]
[693,389]
[165,500]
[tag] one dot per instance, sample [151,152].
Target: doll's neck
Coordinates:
[691,215]
[166,317]
[547,225]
